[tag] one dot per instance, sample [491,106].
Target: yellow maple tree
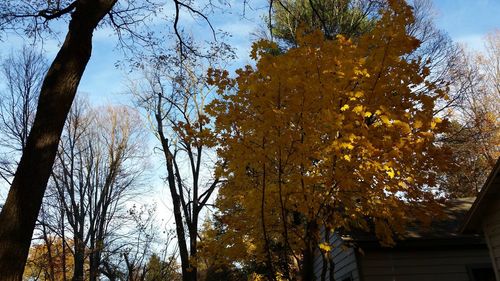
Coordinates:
[330,135]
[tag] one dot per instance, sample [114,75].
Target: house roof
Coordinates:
[445,228]
[460,226]
[455,212]
[487,195]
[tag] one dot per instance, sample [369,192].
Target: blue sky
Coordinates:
[466,21]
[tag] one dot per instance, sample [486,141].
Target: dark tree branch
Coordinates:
[182,43]
[50,14]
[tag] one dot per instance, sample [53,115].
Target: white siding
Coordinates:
[344,259]
[491,227]
[428,264]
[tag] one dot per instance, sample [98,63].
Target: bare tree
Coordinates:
[129,257]
[22,73]
[98,163]
[474,138]
[173,93]
[136,252]
[19,214]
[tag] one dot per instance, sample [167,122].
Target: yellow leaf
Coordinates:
[357,109]
[325,247]
[385,119]
[345,107]
[390,173]
[403,125]
[347,145]
[403,184]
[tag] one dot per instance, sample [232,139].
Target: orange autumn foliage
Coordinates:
[329,135]
[55,265]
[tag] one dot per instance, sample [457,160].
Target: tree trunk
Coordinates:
[48,243]
[324,268]
[63,239]
[93,266]
[19,214]
[176,201]
[308,251]
[187,272]
[95,260]
[193,247]
[79,260]
[308,264]
[331,269]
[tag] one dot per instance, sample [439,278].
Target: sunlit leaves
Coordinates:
[329,133]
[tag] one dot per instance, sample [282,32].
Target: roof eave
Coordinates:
[472,219]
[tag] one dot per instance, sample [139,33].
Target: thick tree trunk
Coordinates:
[19,214]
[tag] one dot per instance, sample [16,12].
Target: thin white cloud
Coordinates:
[474,42]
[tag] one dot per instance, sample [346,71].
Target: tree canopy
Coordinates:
[350,18]
[328,135]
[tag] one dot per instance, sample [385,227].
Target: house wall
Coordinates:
[424,264]
[344,259]
[491,228]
